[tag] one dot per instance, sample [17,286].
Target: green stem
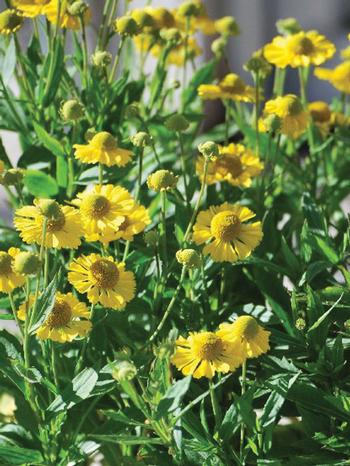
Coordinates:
[184,75]
[243,390]
[183,168]
[163,223]
[116,60]
[139,177]
[100,174]
[215,407]
[85,53]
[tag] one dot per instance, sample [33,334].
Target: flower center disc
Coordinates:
[96,206]
[248,327]
[232,84]
[105,273]
[303,46]
[208,346]
[5,263]
[292,106]
[231,164]
[56,224]
[225,226]
[104,141]
[60,315]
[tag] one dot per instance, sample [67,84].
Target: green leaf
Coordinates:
[49,141]
[39,184]
[6,317]
[173,397]
[44,305]
[127,439]
[324,315]
[17,455]
[9,63]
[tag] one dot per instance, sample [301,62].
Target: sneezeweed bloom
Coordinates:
[68,319]
[162,180]
[232,87]
[63,229]
[205,353]
[227,26]
[145,22]
[299,50]
[26,263]
[236,164]
[246,332]
[67,19]
[103,210]
[102,148]
[12,177]
[225,233]
[31,8]
[9,279]
[321,116]
[10,21]
[126,26]
[135,221]
[162,16]
[294,118]
[339,77]
[104,280]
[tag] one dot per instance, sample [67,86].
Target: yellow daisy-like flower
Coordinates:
[9,280]
[135,222]
[103,210]
[339,77]
[231,87]
[10,21]
[301,49]
[66,19]
[246,331]
[31,8]
[103,279]
[294,119]
[64,231]
[102,148]
[162,16]
[236,164]
[321,115]
[224,230]
[205,353]
[68,319]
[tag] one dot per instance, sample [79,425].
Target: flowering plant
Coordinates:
[175,294]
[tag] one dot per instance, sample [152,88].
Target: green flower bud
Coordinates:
[272,123]
[151,238]
[89,134]
[170,35]
[141,139]
[288,26]
[72,110]
[347,325]
[124,371]
[227,26]
[132,110]
[26,263]
[258,64]
[126,26]
[300,324]
[162,180]
[77,8]
[12,177]
[177,122]
[218,46]
[49,208]
[189,8]
[188,257]
[144,20]
[209,150]
[101,58]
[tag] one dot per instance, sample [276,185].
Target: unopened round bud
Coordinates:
[124,371]
[288,26]
[145,21]
[49,208]
[177,122]
[89,134]
[300,324]
[209,150]
[77,8]
[162,180]
[347,324]
[126,26]
[175,84]
[12,177]
[227,26]
[189,8]
[101,58]
[26,263]
[141,139]
[188,257]
[258,64]
[170,35]
[151,238]
[132,110]
[72,110]
[218,46]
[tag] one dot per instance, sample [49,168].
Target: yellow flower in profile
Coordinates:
[202,22]
[227,236]
[103,209]
[68,319]
[103,148]
[9,280]
[246,331]
[339,77]
[10,21]
[321,116]
[103,279]
[231,87]
[63,231]
[236,164]
[66,20]
[301,49]
[294,119]
[205,353]
[162,16]
[134,223]
[31,8]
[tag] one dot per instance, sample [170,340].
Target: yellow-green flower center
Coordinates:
[5,263]
[96,206]
[302,45]
[104,141]
[207,346]
[225,226]
[247,326]
[232,84]
[105,273]
[56,224]
[10,20]
[60,315]
[230,164]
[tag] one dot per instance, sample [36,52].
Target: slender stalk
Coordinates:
[163,223]
[85,53]
[183,167]
[256,112]
[139,177]
[215,407]
[243,390]
[100,174]
[116,61]
[14,312]
[184,75]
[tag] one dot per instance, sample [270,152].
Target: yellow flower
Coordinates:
[31,8]
[103,209]
[68,319]
[162,180]
[301,49]
[102,148]
[104,280]
[228,238]
[236,164]
[162,16]
[248,333]
[294,119]
[321,115]
[64,231]
[339,77]
[202,22]
[135,222]
[66,19]
[202,354]
[231,87]
[10,21]
[9,280]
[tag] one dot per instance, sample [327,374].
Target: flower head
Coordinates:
[102,148]
[66,19]
[236,164]
[103,279]
[301,49]
[339,77]
[188,257]
[227,236]
[31,8]
[248,333]
[202,354]
[227,26]
[9,279]
[135,221]
[63,230]
[162,180]
[10,21]
[26,263]
[231,87]
[72,110]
